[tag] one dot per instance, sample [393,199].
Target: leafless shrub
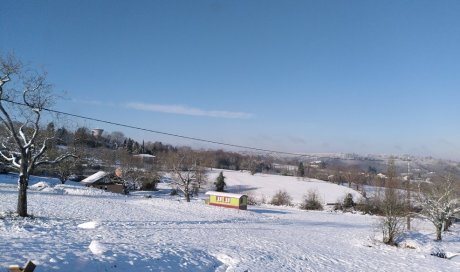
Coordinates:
[311,201]
[281,198]
[394,209]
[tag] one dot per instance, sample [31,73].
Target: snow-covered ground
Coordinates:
[265,185]
[82,229]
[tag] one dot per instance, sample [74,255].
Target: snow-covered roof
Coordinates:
[144,156]
[223,194]
[380,175]
[94,177]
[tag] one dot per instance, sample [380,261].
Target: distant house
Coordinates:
[382,176]
[105,181]
[228,200]
[145,158]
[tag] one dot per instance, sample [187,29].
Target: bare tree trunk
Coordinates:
[408,211]
[447,224]
[22,196]
[438,232]
[187,193]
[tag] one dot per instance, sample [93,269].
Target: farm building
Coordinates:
[227,200]
[144,158]
[105,181]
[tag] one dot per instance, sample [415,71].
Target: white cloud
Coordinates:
[179,109]
[92,102]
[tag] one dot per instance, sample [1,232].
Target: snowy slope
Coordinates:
[264,185]
[109,232]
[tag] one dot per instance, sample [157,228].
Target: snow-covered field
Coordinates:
[81,229]
[264,185]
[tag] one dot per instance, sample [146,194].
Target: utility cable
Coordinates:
[161,132]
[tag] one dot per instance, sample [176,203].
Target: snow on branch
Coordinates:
[57,160]
[439,203]
[13,159]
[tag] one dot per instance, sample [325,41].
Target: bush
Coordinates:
[281,198]
[149,185]
[392,222]
[371,206]
[252,200]
[149,182]
[173,192]
[348,202]
[346,205]
[220,182]
[263,200]
[311,201]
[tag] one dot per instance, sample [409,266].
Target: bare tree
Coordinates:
[137,177]
[201,178]
[189,175]
[337,177]
[353,174]
[392,222]
[64,170]
[439,203]
[117,138]
[25,143]
[393,207]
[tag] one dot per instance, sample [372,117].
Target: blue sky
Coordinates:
[298,76]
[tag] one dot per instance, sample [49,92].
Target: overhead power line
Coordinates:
[161,132]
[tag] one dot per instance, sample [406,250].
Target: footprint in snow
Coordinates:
[89,225]
[97,248]
[228,262]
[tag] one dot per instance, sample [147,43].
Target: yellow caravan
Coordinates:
[228,200]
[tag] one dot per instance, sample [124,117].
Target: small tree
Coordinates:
[220,182]
[116,138]
[252,200]
[300,170]
[393,208]
[392,223]
[64,170]
[348,202]
[281,198]
[352,175]
[439,204]
[189,175]
[149,181]
[311,201]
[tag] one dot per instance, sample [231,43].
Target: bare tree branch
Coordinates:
[57,160]
[14,160]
